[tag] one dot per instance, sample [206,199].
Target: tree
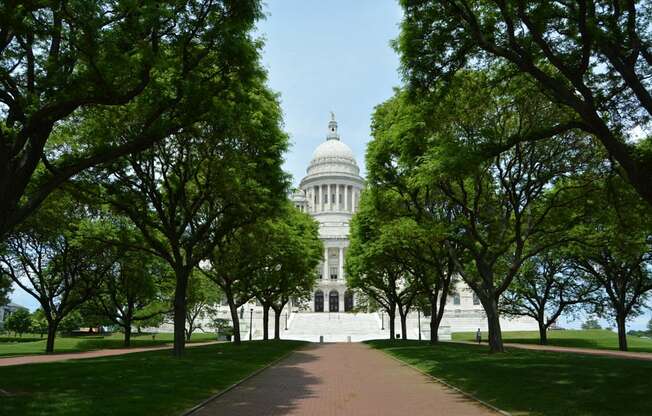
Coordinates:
[39,323]
[544,288]
[290,252]
[135,291]
[371,265]
[51,258]
[591,323]
[202,294]
[614,251]
[71,322]
[19,322]
[591,58]
[233,265]
[5,289]
[649,326]
[491,210]
[186,193]
[164,61]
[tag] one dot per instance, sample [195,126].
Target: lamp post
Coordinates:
[382,321]
[286,321]
[419,322]
[251,320]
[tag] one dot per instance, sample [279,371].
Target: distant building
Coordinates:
[7,310]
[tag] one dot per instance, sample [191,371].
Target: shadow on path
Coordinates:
[275,391]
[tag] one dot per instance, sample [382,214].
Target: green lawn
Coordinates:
[533,382]
[85,343]
[148,383]
[595,338]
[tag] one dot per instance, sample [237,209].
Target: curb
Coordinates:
[236,384]
[450,386]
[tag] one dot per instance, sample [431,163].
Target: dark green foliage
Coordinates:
[19,322]
[52,258]
[591,324]
[154,67]
[287,251]
[591,59]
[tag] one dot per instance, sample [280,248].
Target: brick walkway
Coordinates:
[34,359]
[341,379]
[573,350]
[590,351]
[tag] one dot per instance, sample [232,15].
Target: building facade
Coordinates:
[330,192]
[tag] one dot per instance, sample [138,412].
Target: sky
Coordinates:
[327,56]
[324,56]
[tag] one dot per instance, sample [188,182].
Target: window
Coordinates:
[456,300]
[333,273]
[476,299]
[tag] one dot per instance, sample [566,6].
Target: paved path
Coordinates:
[33,359]
[590,351]
[341,379]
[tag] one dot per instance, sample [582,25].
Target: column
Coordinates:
[325,272]
[321,198]
[352,199]
[337,197]
[346,197]
[340,272]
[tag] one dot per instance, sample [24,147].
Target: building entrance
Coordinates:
[334,301]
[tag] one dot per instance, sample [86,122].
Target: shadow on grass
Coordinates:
[149,383]
[536,383]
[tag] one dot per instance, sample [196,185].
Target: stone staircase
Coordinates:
[334,327]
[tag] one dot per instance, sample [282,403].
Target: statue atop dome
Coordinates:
[332,129]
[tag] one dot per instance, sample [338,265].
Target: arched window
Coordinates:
[319,301]
[334,301]
[476,299]
[456,299]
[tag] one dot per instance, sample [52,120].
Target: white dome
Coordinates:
[333,156]
[332,149]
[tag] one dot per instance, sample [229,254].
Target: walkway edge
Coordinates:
[237,383]
[450,386]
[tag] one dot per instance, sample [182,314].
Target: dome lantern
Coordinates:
[332,129]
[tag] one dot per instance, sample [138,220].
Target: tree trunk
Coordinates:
[622,332]
[403,316]
[52,333]
[543,333]
[277,324]
[235,318]
[180,312]
[265,322]
[493,320]
[127,341]
[391,316]
[434,320]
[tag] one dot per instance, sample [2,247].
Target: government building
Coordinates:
[330,193]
